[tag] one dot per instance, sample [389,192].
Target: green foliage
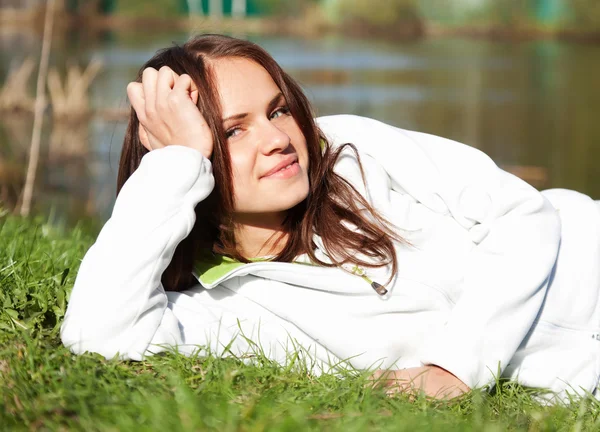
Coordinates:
[282,8]
[38,265]
[389,14]
[586,13]
[149,8]
[43,386]
[490,12]
[375,12]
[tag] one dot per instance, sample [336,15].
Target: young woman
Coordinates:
[241,220]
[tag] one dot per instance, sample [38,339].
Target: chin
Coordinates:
[286,199]
[273,199]
[287,203]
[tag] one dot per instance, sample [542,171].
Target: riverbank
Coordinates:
[310,25]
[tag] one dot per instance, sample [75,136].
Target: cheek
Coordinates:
[304,154]
[242,166]
[299,143]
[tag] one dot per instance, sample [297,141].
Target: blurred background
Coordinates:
[518,79]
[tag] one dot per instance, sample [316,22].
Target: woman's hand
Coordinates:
[165,104]
[433,381]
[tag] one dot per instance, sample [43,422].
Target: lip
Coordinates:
[287,160]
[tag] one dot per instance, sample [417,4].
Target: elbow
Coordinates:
[79,339]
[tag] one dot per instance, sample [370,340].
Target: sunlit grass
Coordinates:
[42,385]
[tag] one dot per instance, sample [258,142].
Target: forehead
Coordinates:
[243,85]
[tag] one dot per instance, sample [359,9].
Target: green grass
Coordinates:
[44,386]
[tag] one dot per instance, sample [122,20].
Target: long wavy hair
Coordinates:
[333,209]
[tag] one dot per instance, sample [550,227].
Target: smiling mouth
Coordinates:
[285,163]
[286,172]
[286,167]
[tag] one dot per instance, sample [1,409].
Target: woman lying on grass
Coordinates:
[241,218]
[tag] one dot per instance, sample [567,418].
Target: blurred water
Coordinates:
[533,105]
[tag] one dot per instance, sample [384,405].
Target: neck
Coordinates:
[258,235]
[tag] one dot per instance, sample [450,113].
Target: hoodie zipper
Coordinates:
[356,270]
[381,290]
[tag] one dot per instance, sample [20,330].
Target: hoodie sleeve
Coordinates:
[517,235]
[118,305]
[515,229]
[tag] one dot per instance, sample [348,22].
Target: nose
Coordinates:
[273,139]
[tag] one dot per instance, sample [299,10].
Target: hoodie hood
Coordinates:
[209,271]
[214,270]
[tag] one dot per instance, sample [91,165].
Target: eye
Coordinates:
[284,110]
[230,133]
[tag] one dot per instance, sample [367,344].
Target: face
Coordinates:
[269,158]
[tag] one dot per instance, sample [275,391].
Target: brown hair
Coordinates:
[331,199]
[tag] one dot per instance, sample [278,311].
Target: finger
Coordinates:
[194,96]
[411,394]
[164,86]
[380,378]
[185,88]
[193,92]
[135,93]
[148,140]
[144,139]
[377,375]
[149,77]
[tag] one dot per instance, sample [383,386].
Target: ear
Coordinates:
[144,137]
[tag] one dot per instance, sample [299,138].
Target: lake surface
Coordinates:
[534,106]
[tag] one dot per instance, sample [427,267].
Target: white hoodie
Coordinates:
[490,285]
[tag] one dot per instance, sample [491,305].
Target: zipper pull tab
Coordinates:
[379,289]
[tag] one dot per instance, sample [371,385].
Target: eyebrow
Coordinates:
[272,104]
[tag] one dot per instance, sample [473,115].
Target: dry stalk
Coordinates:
[70,100]
[14,95]
[68,140]
[40,105]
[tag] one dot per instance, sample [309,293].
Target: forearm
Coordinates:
[505,284]
[118,302]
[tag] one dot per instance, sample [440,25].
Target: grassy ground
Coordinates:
[44,386]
